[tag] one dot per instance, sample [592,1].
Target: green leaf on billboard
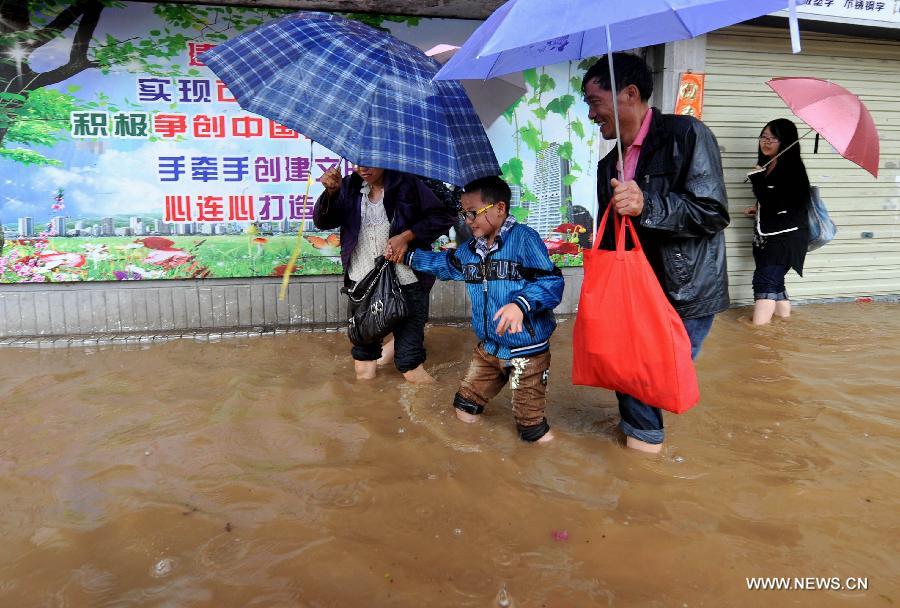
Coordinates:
[520,213]
[577,128]
[531,136]
[565,150]
[531,78]
[561,105]
[528,197]
[508,114]
[546,83]
[513,171]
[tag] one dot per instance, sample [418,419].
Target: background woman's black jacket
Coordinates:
[408,202]
[783,204]
[685,212]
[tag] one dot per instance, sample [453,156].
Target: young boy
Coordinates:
[513,287]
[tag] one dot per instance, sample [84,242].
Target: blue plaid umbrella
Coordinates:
[359,92]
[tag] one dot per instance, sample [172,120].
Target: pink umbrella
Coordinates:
[834,113]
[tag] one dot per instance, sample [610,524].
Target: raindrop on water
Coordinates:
[503,598]
[163,567]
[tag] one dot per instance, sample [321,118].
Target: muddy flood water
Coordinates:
[255,472]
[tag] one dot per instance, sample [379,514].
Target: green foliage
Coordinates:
[531,136]
[41,121]
[520,213]
[570,179]
[531,78]
[565,150]
[511,110]
[513,171]
[545,84]
[561,105]
[27,157]
[577,128]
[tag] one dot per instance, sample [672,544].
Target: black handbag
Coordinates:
[376,304]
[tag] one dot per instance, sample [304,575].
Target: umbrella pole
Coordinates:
[615,98]
[789,147]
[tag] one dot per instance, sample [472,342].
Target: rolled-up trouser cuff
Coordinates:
[534,432]
[652,436]
[464,405]
[778,297]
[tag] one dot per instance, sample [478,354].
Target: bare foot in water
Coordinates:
[547,438]
[465,416]
[365,370]
[387,353]
[418,376]
[643,446]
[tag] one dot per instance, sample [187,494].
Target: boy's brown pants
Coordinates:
[527,377]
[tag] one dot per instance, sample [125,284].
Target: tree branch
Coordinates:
[78,59]
[62,73]
[60,23]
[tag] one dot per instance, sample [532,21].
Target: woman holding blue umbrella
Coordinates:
[385,212]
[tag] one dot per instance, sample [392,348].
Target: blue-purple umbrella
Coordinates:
[358,91]
[525,34]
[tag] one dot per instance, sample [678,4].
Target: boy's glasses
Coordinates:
[471,215]
[767,139]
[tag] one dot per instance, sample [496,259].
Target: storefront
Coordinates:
[864,259]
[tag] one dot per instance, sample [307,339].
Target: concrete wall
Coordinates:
[165,307]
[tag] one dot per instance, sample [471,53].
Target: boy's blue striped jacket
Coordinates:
[518,271]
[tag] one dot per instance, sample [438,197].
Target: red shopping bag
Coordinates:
[628,338]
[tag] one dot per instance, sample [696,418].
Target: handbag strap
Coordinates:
[374,282]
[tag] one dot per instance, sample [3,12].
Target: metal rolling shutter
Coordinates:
[864,259]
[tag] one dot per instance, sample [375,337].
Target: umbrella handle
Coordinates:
[771,160]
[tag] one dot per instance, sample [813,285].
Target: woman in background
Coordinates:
[781,233]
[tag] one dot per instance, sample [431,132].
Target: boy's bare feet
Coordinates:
[365,370]
[387,353]
[547,438]
[418,376]
[465,416]
[643,446]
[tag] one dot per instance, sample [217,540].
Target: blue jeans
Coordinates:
[644,422]
[768,283]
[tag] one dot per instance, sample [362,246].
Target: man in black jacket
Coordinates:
[671,183]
